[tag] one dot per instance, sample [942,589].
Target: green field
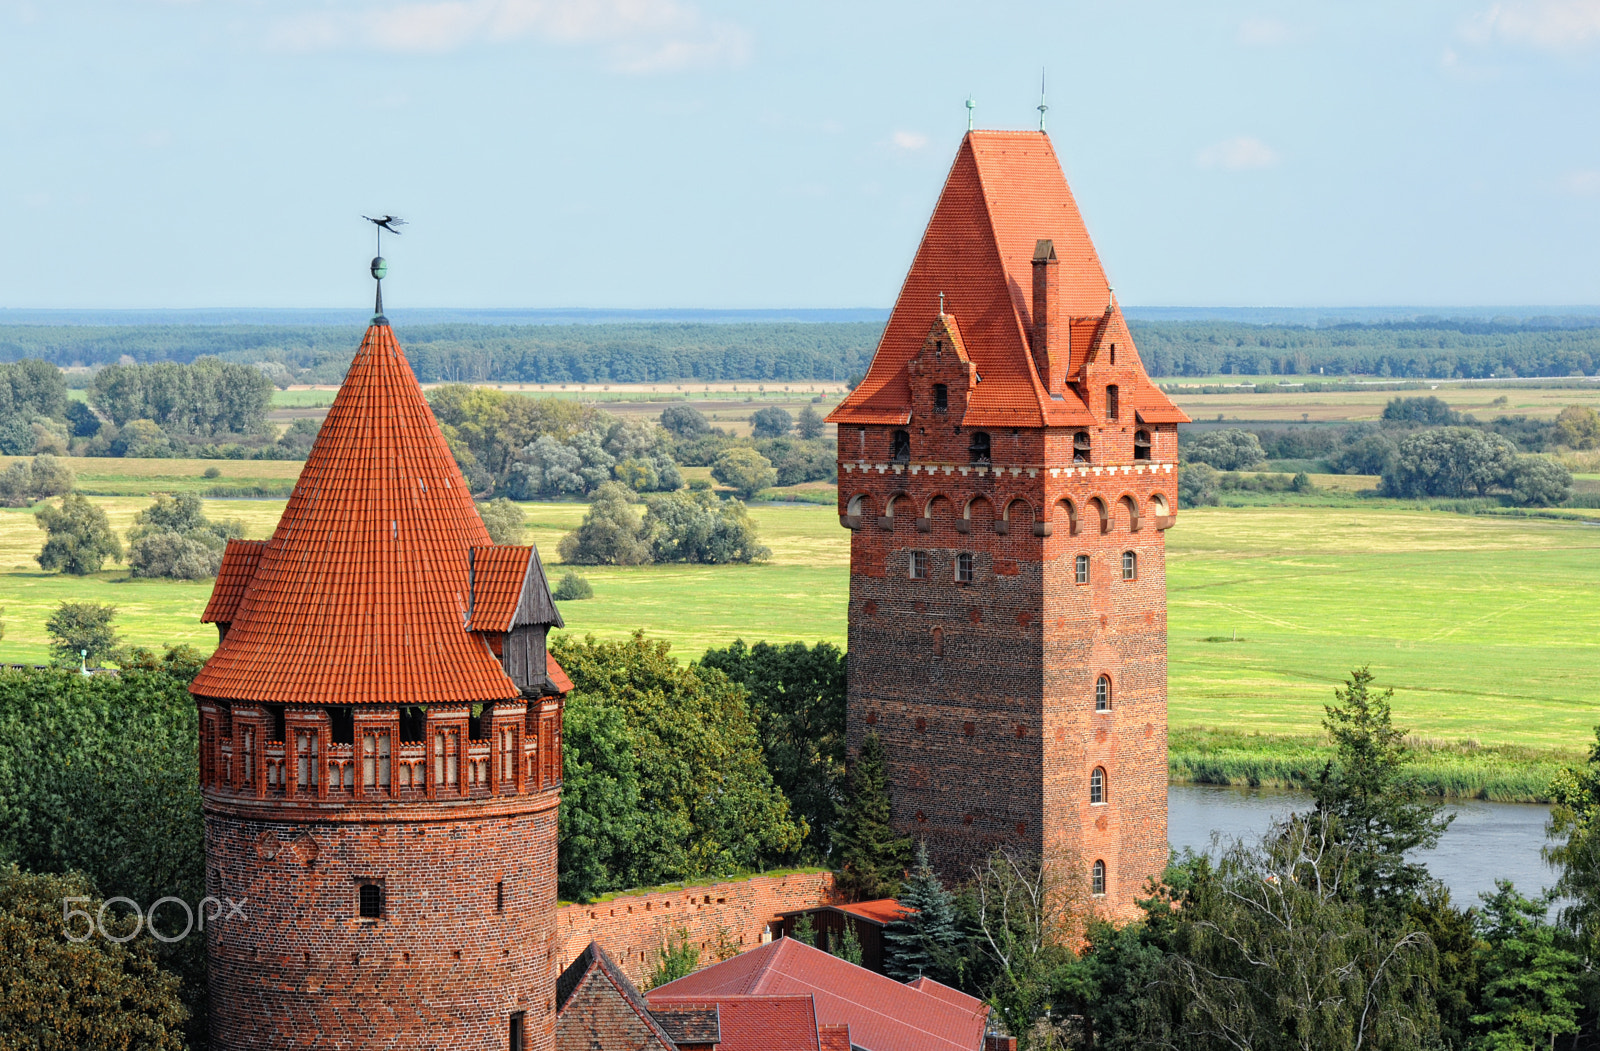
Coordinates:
[1487,627]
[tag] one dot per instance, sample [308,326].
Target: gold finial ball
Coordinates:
[380,267]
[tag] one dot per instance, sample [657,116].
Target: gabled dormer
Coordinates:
[513,610]
[941,375]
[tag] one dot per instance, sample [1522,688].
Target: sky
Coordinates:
[699,153]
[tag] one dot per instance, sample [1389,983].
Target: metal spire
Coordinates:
[941,304]
[379,266]
[971,102]
[1042,106]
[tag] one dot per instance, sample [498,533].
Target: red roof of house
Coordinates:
[756,1023]
[233,576]
[557,675]
[1005,193]
[362,593]
[883,910]
[834,1037]
[883,1014]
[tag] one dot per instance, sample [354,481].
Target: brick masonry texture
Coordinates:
[633,927]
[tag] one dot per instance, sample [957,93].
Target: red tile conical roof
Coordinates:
[362,594]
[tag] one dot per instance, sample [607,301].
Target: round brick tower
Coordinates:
[381,753]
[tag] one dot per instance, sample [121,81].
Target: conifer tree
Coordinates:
[872,859]
[849,947]
[926,939]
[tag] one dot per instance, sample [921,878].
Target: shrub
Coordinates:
[1535,481]
[78,537]
[572,588]
[1427,412]
[1197,485]
[771,422]
[745,471]
[1448,461]
[809,423]
[1578,427]
[212,472]
[504,520]
[1230,449]
[611,534]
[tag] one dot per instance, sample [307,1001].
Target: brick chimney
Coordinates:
[1049,327]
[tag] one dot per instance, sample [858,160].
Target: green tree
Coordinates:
[805,931]
[1449,461]
[505,520]
[1456,986]
[1530,974]
[797,693]
[62,993]
[926,938]
[1380,811]
[1574,847]
[849,947]
[600,819]
[1197,485]
[1271,952]
[771,422]
[1229,449]
[1536,481]
[744,470]
[173,538]
[1428,411]
[809,424]
[675,958]
[684,421]
[82,631]
[572,587]
[688,526]
[1026,914]
[707,803]
[78,537]
[1372,454]
[871,859]
[1578,427]
[611,534]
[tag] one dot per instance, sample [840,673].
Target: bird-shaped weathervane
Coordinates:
[379,267]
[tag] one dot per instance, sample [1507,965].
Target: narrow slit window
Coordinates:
[938,642]
[1113,409]
[516,1031]
[1081,569]
[941,397]
[1130,565]
[500,896]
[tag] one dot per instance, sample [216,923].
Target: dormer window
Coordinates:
[941,397]
[979,449]
[1141,445]
[1111,402]
[1080,447]
[901,446]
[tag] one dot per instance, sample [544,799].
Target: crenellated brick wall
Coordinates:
[633,927]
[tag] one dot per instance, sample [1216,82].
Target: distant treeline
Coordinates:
[669,351]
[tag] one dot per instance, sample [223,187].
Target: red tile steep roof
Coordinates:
[361,594]
[239,562]
[758,1023]
[1005,192]
[883,1014]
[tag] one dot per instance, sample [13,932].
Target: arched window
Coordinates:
[370,901]
[1080,447]
[979,449]
[1112,407]
[902,446]
[1141,445]
[1102,694]
[1097,785]
[1081,568]
[1130,565]
[1097,879]
[941,397]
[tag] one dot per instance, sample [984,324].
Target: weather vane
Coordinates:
[1042,106]
[379,267]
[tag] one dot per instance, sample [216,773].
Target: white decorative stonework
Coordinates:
[1033,472]
[898,468]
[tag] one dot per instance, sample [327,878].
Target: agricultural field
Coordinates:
[1277,403]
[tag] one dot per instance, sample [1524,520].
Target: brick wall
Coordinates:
[632,928]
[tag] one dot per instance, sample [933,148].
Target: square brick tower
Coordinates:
[1008,471]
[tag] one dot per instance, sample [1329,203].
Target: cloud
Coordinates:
[1582,183]
[1551,25]
[1264,32]
[637,36]
[909,140]
[1240,153]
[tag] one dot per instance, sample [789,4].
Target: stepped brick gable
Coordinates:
[380,752]
[1008,470]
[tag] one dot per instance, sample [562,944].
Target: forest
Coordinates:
[661,351]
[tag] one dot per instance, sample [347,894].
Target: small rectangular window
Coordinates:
[500,896]
[918,565]
[964,568]
[1082,569]
[369,903]
[1112,408]
[1130,565]
[941,397]
[516,1031]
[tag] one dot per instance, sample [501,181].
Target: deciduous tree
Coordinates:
[744,470]
[78,537]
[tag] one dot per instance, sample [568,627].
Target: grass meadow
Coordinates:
[1487,627]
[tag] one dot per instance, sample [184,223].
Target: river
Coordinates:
[1487,841]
